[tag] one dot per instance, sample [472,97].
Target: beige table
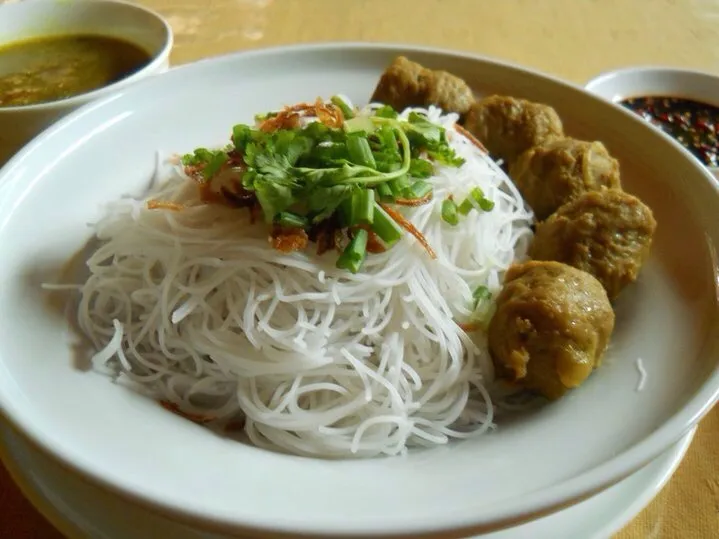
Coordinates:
[573,39]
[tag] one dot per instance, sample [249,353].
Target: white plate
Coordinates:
[81,510]
[537,463]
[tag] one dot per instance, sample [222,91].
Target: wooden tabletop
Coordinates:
[572,39]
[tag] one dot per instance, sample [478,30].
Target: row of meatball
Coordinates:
[554,318]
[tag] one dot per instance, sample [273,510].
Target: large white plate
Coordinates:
[80,510]
[537,463]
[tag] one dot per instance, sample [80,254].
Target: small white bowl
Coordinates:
[616,86]
[37,18]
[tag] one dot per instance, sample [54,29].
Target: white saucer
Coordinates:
[81,510]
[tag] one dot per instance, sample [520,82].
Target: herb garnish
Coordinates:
[341,167]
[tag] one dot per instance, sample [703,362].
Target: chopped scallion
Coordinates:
[385,227]
[362,207]
[449,212]
[419,189]
[360,123]
[384,192]
[360,152]
[292,220]
[399,185]
[476,198]
[354,254]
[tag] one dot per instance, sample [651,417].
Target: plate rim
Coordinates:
[536,504]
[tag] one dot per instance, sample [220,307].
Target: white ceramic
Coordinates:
[36,18]
[531,465]
[660,81]
[80,510]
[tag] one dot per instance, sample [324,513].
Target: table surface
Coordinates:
[572,39]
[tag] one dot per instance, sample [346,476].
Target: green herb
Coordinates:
[399,186]
[449,212]
[344,107]
[304,175]
[354,254]
[208,161]
[359,151]
[359,124]
[420,168]
[291,220]
[385,111]
[385,227]
[384,192]
[419,189]
[424,134]
[445,155]
[481,293]
[362,212]
[476,198]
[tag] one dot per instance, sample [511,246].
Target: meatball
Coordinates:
[508,126]
[606,233]
[408,84]
[551,327]
[558,171]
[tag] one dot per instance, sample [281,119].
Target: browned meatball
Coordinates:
[606,233]
[409,84]
[551,327]
[508,126]
[558,171]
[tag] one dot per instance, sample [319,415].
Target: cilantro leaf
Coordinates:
[420,168]
[424,134]
[323,201]
[208,161]
[241,136]
[274,197]
[445,155]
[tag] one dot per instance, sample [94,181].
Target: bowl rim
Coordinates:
[598,81]
[534,505]
[158,57]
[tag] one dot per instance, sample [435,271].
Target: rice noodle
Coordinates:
[195,306]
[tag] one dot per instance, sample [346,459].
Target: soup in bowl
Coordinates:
[57,56]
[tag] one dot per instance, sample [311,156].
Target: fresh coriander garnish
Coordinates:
[338,169]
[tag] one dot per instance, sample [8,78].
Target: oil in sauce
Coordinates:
[694,124]
[51,68]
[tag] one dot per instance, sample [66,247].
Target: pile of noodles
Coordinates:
[195,307]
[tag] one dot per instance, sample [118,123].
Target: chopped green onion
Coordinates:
[476,198]
[449,212]
[354,254]
[481,293]
[399,185]
[385,227]
[346,110]
[384,192]
[419,189]
[291,220]
[386,136]
[362,207]
[360,123]
[466,206]
[385,111]
[360,152]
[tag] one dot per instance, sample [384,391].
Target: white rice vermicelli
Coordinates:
[196,307]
